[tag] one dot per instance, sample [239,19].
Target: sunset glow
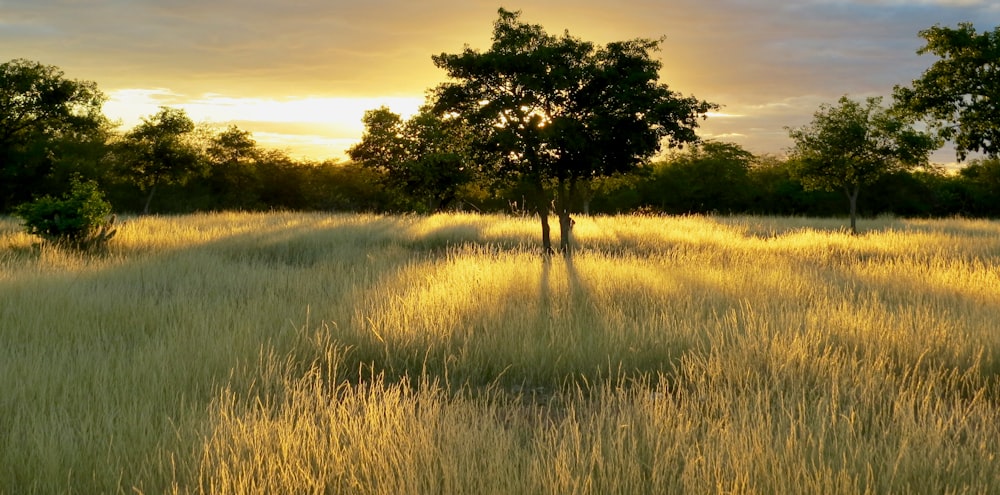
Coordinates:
[301,76]
[313,127]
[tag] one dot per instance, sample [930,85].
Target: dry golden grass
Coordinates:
[313,353]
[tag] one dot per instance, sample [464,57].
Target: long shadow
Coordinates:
[215,296]
[268,268]
[930,302]
[583,307]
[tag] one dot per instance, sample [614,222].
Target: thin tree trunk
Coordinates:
[542,205]
[543,215]
[149,199]
[853,197]
[565,221]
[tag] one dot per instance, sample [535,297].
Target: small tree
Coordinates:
[853,144]
[424,156]
[81,219]
[158,152]
[235,180]
[959,94]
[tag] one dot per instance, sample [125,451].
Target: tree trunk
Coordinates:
[565,221]
[543,215]
[852,196]
[542,205]
[149,199]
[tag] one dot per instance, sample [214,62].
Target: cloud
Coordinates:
[772,61]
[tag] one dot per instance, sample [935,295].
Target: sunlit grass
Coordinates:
[317,353]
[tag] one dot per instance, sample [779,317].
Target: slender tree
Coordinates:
[854,144]
[158,152]
[555,110]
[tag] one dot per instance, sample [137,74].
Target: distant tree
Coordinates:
[285,181]
[982,181]
[854,144]
[159,151]
[234,177]
[558,110]
[46,121]
[233,145]
[960,93]
[710,176]
[424,157]
[346,186]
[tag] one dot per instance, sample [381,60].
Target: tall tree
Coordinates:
[960,93]
[159,151]
[854,144]
[42,115]
[556,109]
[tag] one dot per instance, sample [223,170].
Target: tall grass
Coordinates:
[314,353]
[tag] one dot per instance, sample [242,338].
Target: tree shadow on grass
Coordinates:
[149,337]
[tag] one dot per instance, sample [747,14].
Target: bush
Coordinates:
[81,219]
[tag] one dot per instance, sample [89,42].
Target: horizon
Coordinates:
[300,76]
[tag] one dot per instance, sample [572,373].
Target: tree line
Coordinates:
[537,124]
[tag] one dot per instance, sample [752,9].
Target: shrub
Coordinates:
[81,219]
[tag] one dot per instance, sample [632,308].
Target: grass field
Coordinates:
[316,353]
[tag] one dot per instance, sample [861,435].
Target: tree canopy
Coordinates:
[425,157]
[159,152]
[42,113]
[959,94]
[854,144]
[557,108]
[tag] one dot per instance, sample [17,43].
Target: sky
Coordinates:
[299,74]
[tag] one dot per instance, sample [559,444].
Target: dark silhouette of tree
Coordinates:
[46,122]
[710,177]
[555,110]
[982,186]
[853,144]
[959,95]
[424,157]
[160,151]
[234,175]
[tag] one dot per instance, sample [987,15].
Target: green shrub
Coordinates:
[81,219]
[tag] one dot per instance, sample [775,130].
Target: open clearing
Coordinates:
[319,353]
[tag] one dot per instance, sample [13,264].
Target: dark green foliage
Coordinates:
[336,186]
[426,158]
[854,144]
[711,177]
[49,126]
[982,187]
[160,152]
[959,95]
[80,219]
[233,178]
